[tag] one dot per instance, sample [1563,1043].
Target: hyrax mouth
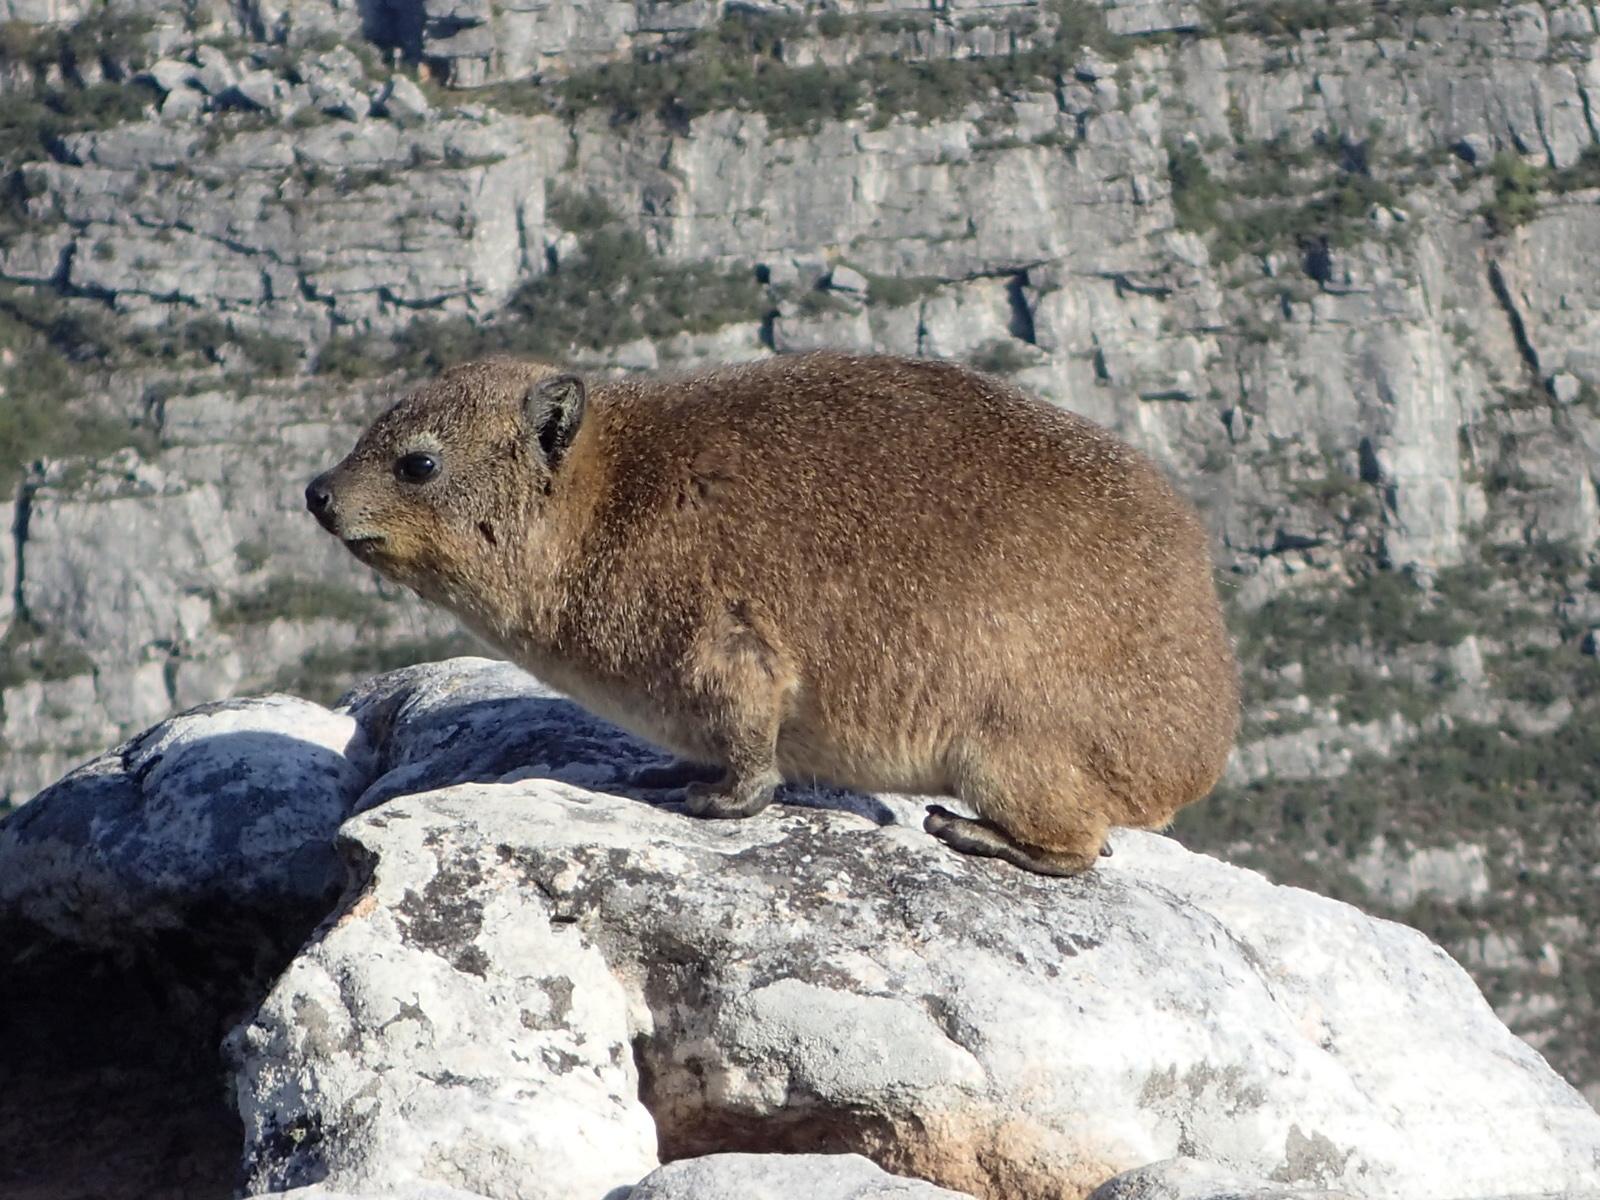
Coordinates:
[363,545]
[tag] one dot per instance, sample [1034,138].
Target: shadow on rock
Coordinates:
[479,721]
[147,902]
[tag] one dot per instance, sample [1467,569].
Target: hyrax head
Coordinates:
[438,482]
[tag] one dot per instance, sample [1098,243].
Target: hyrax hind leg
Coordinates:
[738,687]
[1050,826]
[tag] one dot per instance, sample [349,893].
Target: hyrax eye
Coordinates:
[417,468]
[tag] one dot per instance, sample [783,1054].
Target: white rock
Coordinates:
[1401,875]
[403,102]
[216,71]
[169,74]
[226,813]
[424,1191]
[783,1177]
[637,355]
[769,975]
[339,63]
[339,98]
[1565,387]
[261,89]
[88,559]
[532,986]
[847,279]
[182,104]
[440,1034]
[1188,1179]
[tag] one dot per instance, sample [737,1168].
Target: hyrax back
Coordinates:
[893,575]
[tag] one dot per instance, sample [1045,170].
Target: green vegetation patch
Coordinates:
[1521,187]
[41,410]
[1273,196]
[103,35]
[1001,356]
[739,64]
[52,346]
[1278,20]
[324,675]
[28,652]
[898,291]
[287,598]
[613,291]
[1381,611]
[34,119]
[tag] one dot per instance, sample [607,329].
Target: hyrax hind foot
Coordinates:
[730,797]
[971,836]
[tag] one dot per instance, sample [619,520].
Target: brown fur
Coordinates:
[894,575]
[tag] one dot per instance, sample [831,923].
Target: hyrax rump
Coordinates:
[894,575]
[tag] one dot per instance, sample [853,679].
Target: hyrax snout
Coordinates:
[890,574]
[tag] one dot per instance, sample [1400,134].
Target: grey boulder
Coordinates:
[539,981]
[533,954]
[218,818]
[783,1177]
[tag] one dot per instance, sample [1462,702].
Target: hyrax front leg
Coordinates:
[746,739]
[741,683]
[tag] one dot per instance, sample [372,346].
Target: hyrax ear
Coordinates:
[553,409]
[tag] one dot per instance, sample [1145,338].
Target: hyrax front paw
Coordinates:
[731,798]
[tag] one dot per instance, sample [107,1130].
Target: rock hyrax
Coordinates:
[894,575]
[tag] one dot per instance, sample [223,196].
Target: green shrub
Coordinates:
[351,356]
[252,555]
[268,353]
[1289,20]
[28,652]
[102,35]
[739,64]
[897,291]
[289,598]
[612,292]
[41,413]
[1520,186]
[1517,188]
[578,212]
[32,123]
[1383,611]
[1277,196]
[1196,196]
[1001,356]
[324,675]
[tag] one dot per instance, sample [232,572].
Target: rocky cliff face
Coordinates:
[1330,263]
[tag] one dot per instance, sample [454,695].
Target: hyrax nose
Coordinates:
[319,498]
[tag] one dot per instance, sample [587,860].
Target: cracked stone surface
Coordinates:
[781,1176]
[816,981]
[537,983]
